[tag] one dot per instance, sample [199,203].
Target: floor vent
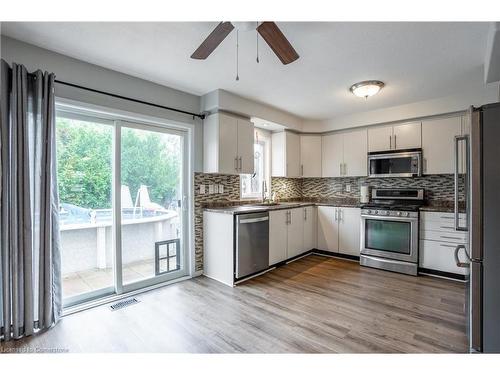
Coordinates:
[123,304]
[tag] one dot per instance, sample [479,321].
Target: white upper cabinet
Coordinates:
[245,147]
[379,138]
[344,154]
[438,144]
[394,137]
[285,155]
[355,153]
[332,155]
[407,136]
[310,155]
[228,145]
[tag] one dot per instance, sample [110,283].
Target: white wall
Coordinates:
[481,94]
[96,77]
[225,101]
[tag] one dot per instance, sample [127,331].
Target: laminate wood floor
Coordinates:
[313,305]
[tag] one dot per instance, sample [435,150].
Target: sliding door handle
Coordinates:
[457,259]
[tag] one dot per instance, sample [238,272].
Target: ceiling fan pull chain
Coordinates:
[237,53]
[257,35]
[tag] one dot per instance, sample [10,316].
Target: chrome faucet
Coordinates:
[264,191]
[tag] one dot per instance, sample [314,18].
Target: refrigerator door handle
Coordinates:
[458,139]
[457,259]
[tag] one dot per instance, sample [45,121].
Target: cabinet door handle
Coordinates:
[336,215]
[236,163]
[305,213]
[345,169]
[340,169]
[290,217]
[302,170]
[390,142]
[395,142]
[241,164]
[341,214]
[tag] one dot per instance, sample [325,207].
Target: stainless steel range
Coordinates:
[389,230]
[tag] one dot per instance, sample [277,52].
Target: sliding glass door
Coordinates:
[122,205]
[152,191]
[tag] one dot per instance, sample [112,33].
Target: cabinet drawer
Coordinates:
[440,221]
[434,235]
[440,216]
[439,256]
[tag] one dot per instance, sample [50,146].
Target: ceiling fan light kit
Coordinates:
[269,31]
[365,89]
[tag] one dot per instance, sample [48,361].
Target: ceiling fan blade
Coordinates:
[278,42]
[212,41]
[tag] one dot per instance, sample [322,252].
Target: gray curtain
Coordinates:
[30,259]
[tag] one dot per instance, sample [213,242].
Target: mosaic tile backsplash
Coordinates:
[437,188]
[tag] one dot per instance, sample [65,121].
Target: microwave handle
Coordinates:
[458,139]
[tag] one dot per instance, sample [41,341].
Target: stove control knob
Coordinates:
[376,212]
[405,213]
[398,213]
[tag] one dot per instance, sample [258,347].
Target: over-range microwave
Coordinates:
[400,163]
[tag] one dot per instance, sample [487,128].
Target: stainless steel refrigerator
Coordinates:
[478,183]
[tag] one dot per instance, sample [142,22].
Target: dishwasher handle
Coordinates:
[254,220]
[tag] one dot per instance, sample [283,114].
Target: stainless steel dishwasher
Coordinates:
[252,243]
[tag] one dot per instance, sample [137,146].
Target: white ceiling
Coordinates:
[417,61]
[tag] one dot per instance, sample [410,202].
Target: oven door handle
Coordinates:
[391,218]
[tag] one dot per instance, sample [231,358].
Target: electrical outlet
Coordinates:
[348,188]
[210,189]
[202,189]
[221,189]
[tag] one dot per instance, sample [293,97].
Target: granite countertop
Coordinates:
[243,207]
[234,208]
[442,206]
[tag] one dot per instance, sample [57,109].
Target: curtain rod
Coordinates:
[201,116]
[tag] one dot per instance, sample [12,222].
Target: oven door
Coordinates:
[390,237]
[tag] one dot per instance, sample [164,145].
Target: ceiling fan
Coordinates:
[269,31]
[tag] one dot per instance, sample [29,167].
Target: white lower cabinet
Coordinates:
[439,256]
[349,233]
[438,240]
[339,229]
[310,219]
[291,233]
[328,229]
[295,232]
[278,236]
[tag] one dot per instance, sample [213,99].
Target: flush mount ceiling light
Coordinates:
[366,88]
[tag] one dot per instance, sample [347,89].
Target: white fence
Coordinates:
[90,246]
